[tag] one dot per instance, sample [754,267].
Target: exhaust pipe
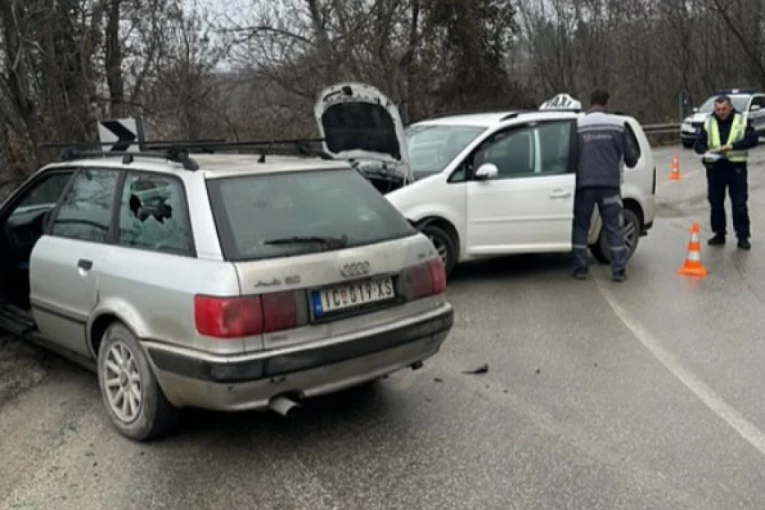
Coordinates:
[283,405]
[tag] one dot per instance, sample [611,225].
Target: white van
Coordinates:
[519,200]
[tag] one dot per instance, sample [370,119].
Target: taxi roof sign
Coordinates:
[561,102]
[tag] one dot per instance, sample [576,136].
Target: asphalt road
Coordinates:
[646,394]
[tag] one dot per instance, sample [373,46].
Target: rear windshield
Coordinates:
[294,213]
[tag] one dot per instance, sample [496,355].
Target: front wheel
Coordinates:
[135,402]
[444,245]
[601,251]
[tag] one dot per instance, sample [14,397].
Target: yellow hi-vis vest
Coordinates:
[737,132]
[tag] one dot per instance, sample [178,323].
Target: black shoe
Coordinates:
[744,244]
[619,276]
[717,240]
[579,274]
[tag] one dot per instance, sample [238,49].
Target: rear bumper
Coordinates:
[232,383]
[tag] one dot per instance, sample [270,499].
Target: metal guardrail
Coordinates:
[663,134]
[658,129]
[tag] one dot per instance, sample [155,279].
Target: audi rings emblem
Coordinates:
[355,269]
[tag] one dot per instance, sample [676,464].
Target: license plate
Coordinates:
[343,297]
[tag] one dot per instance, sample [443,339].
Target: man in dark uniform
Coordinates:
[603,152]
[727,134]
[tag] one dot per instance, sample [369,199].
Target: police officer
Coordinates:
[603,149]
[727,133]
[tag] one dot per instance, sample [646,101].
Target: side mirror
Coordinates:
[755,108]
[695,109]
[486,172]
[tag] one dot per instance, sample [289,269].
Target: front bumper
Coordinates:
[234,383]
[690,133]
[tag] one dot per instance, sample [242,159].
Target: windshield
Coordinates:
[432,147]
[739,103]
[294,213]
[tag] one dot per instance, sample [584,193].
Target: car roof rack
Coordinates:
[180,151]
[290,147]
[171,154]
[146,145]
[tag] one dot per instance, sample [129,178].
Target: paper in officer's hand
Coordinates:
[712,155]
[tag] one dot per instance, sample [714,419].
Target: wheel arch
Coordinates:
[634,206]
[100,324]
[443,223]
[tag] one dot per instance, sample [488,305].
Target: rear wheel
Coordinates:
[135,402]
[444,245]
[632,227]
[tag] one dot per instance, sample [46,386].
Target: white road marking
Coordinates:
[745,428]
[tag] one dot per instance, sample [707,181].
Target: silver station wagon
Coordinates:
[220,281]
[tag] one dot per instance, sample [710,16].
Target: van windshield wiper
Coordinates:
[333,242]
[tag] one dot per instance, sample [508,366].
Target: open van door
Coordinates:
[360,124]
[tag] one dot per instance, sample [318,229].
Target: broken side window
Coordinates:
[154,215]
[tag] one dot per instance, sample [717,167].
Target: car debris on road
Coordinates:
[483,369]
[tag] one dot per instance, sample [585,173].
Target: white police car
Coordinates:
[751,104]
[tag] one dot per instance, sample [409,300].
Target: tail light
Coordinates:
[237,317]
[437,276]
[424,280]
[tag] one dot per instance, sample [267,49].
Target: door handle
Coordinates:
[87,265]
[559,193]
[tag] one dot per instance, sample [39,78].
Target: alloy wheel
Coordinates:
[630,235]
[122,382]
[440,247]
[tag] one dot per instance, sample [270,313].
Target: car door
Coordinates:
[529,206]
[22,221]
[65,263]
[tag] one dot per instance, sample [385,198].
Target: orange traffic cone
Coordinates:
[693,265]
[674,175]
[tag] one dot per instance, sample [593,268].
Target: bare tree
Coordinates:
[65,64]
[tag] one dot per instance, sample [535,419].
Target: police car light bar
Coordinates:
[734,91]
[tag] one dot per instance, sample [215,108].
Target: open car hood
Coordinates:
[358,122]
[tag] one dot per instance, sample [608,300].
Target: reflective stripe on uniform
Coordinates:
[616,199]
[737,133]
